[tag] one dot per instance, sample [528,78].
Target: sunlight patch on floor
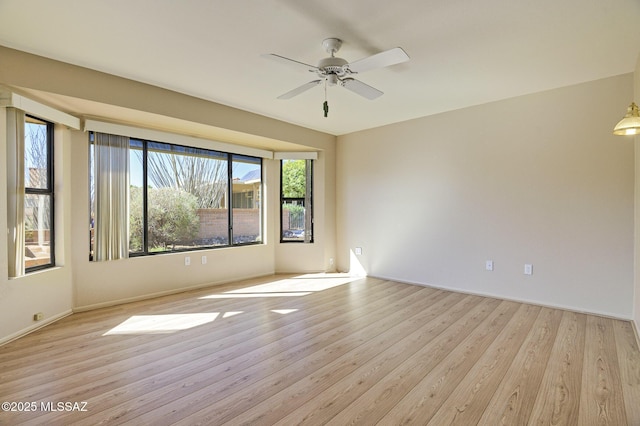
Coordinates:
[300,285]
[161,324]
[230,295]
[283,311]
[297,286]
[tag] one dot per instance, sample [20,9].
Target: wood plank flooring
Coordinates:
[324,349]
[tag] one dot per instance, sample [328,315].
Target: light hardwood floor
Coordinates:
[325,349]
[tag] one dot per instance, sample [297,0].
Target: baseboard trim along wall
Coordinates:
[164,293]
[513,299]
[34,327]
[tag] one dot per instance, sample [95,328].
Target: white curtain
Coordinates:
[15,191]
[111,172]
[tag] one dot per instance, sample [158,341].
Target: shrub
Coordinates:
[172,218]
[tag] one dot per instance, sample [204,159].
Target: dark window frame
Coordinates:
[232,237]
[299,201]
[48,191]
[224,156]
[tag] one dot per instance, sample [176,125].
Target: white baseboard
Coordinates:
[513,299]
[163,293]
[31,329]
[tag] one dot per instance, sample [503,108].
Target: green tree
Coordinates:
[172,218]
[135,218]
[293,178]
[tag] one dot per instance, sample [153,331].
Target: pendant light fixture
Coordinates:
[630,124]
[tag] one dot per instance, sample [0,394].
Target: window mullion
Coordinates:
[145,201]
[230,197]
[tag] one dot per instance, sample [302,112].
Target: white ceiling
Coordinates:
[463,52]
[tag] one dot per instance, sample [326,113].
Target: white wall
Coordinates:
[50,291]
[537,179]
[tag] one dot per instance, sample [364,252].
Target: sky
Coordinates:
[240,169]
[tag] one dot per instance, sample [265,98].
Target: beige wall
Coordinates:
[636,314]
[48,292]
[536,179]
[79,284]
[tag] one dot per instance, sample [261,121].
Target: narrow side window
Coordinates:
[38,194]
[296,200]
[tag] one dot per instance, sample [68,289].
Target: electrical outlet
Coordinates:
[187,261]
[204,260]
[331,261]
[38,316]
[528,269]
[489,265]
[358,251]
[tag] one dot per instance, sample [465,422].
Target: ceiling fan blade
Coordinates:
[379,60]
[288,61]
[360,88]
[295,92]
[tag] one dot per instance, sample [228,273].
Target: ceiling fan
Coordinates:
[334,71]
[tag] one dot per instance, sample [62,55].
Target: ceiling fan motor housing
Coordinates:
[332,65]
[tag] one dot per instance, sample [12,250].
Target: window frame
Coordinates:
[228,157]
[302,200]
[47,191]
[232,237]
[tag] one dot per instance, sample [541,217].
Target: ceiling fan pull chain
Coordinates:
[325,105]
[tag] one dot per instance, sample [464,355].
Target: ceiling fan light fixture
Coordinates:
[332,79]
[630,124]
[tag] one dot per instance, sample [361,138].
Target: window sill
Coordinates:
[39,271]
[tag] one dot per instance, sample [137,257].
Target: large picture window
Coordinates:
[296,201]
[185,198]
[38,194]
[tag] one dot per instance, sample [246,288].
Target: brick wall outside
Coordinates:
[246,222]
[213,223]
[285,220]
